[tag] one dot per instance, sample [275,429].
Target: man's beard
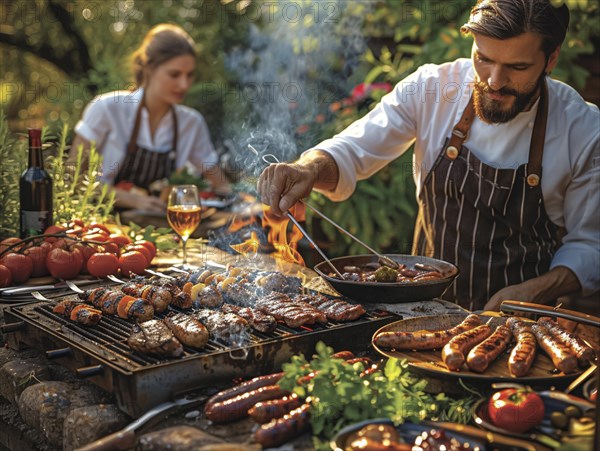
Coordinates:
[492,112]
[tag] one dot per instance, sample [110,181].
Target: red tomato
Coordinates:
[5,276]
[132,262]
[142,250]
[95,237]
[98,225]
[594,394]
[516,410]
[8,242]
[121,240]
[38,254]
[63,264]
[61,243]
[86,251]
[148,245]
[113,248]
[76,223]
[52,230]
[102,264]
[20,266]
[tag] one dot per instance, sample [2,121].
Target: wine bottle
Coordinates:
[35,190]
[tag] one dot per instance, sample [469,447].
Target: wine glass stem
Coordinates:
[184,242]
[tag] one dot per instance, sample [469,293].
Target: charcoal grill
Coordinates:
[140,382]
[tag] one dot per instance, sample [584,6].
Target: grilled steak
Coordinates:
[257,319]
[227,327]
[187,329]
[284,309]
[335,309]
[209,296]
[154,337]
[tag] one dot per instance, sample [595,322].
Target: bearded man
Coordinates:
[482,128]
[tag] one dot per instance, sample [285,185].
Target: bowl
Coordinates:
[384,292]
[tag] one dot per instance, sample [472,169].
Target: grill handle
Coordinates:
[58,353]
[12,327]
[120,440]
[89,371]
[528,307]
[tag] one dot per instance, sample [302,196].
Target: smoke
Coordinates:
[299,61]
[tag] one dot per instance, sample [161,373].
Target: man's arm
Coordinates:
[544,289]
[282,185]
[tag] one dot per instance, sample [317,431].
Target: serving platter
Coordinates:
[465,434]
[429,363]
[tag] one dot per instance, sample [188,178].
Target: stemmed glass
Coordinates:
[183,213]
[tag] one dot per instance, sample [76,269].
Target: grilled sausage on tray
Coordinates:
[522,355]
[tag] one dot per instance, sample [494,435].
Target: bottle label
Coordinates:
[34,222]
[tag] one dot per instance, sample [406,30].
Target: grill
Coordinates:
[140,382]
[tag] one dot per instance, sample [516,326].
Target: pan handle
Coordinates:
[538,309]
[120,440]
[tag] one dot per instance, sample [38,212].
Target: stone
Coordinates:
[84,425]
[17,375]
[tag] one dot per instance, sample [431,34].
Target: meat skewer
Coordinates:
[424,339]
[154,337]
[160,297]
[114,302]
[522,355]
[188,330]
[79,312]
[453,353]
[585,354]
[562,356]
[480,357]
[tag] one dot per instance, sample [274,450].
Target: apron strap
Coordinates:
[460,131]
[536,148]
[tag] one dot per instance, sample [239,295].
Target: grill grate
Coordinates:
[141,381]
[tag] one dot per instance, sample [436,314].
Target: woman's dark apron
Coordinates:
[142,166]
[489,222]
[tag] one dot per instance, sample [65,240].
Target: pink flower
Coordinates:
[364,90]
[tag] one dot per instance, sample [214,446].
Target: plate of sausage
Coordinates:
[494,349]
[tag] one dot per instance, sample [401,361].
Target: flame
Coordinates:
[286,247]
[240,223]
[250,246]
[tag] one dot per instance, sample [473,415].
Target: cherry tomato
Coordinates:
[516,410]
[38,254]
[148,245]
[8,242]
[76,223]
[132,262]
[86,251]
[113,248]
[99,225]
[121,240]
[594,394]
[102,264]
[5,276]
[61,243]
[95,237]
[142,250]
[64,264]
[20,266]
[52,230]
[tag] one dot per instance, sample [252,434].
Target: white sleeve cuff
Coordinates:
[583,261]
[85,131]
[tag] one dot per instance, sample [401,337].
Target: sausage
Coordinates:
[263,412]
[369,444]
[281,430]
[562,356]
[583,352]
[236,408]
[453,354]
[424,339]
[344,355]
[488,350]
[245,387]
[522,355]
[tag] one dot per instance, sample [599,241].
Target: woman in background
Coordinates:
[144,135]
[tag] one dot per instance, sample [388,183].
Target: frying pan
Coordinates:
[388,293]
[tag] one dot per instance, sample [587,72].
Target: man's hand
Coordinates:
[544,289]
[131,199]
[281,185]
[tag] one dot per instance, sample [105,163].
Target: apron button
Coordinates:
[533,180]
[452,152]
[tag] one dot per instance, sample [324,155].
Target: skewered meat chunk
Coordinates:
[293,314]
[276,281]
[257,319]
[160,297]
[79,312]
[209,296]
[335,309]
[154,337]
[187,329]
[227,327]
[239,293]
[114,302]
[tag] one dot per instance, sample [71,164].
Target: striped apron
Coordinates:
[142,166]
[489,222]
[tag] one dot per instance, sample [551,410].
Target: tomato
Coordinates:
[61,243]
[38,257]
[76,223]
[102,264]
[148,245]
[142,250]
[8,242]
[52,230]
[20,266]
[99,225]
[5,276]
[63,264]
[121,240]
[113,248]
[516,410]
[86,251]
[95,237]
[594,394]
[132,262]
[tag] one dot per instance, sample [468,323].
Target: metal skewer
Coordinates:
[388,260]
[310,240]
